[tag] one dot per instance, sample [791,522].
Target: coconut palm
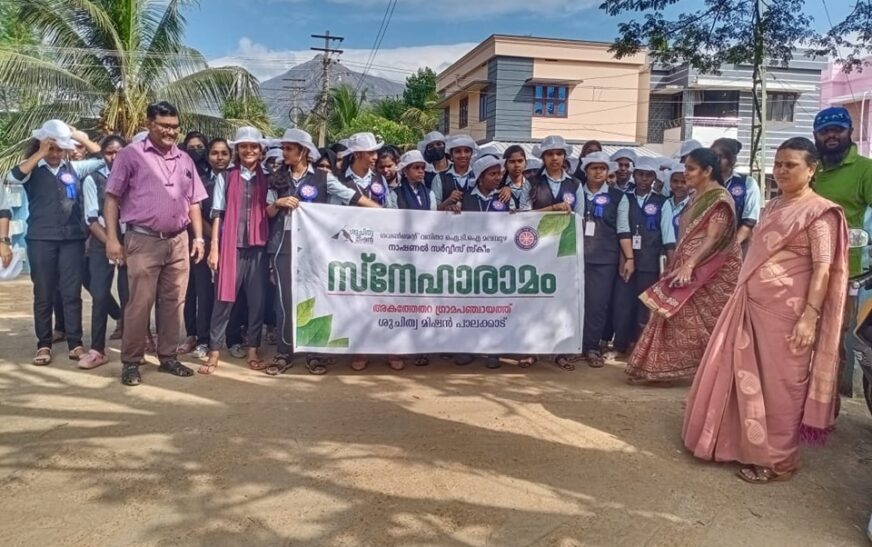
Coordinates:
[101,62]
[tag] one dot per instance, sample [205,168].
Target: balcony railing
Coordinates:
[701,121]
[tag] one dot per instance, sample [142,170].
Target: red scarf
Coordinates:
[258,227]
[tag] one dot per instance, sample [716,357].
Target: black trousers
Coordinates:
[57,266]
[284,304]
[251,274]
[114,308]
[599,281]
[629,313]
[269,312]
[101,274]
[238,320]
[199,301]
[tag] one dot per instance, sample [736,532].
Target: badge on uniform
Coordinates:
[637,242]
[599,205]
[569,199]
[738,190]
[377,191]
[497,205]
[69,181]
[650,212]
[308,192]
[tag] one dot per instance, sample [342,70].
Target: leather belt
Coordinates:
[149,232]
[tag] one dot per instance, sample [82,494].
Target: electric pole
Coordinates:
[758,92]
[295,89]
[327,59]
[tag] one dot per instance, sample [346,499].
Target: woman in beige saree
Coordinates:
[768,377]
[686,302]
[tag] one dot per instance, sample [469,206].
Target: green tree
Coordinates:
[251,110]
[389,131]
[106,60]
[420,88]
[344,107]
[391,108]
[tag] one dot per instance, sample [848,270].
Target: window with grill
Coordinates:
[550,101]
[482,105]
[464,113]
[780,107]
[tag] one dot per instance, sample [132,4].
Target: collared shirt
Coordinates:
[338,192]
[521,195]
[464,182]
[155,190]
[584,195]
[672,211]
[849,185]
[362,182]
[555,184]
[89,194]
[751,210]
[493,196]
[219,194]
[393,201]
[82,168]
[667,230]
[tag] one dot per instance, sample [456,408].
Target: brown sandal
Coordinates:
[42,357]
[208,367]
[257,364]
[761,475]
[396,364]
[359,365]
[77,353]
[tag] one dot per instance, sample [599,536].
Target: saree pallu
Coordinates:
[675,338]
[753,396]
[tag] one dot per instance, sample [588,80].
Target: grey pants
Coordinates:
[252,275]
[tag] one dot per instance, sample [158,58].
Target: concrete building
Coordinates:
[521,89]
[853,91]
[687,104]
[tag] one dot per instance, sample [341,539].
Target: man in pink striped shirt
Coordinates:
[156,189]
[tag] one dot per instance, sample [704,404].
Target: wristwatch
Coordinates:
[6,240]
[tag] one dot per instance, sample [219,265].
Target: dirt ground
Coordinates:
[429,456]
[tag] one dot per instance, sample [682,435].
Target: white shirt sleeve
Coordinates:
[623,223]
[271,196]
[392,201]
[84,168]
[752,200]
[524,203]
[342,194]
[219,197]
[436,187]
[667,228]
[89,194]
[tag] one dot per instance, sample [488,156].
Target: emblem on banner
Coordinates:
[526,238]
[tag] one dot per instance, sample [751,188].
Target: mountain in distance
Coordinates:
[280,100]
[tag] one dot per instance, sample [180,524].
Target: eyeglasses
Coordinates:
[168,126]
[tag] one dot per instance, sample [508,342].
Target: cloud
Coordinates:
[392,63]
[464,10]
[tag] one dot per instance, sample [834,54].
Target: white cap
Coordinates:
[489,150]
[273,153]
[298,136]
[58,131]
[687,147]
[430,138]
[139,137]
[534,164]
[407,159]
[247,134]
[484,163]
[362,142]
[648,164]
[15,267]
[461,141]
[625,153]
[552,142]
[599,157]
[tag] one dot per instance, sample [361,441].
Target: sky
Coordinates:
[275,35]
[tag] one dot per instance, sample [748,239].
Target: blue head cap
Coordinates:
[834,115]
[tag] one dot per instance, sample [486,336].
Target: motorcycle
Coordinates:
[857,332]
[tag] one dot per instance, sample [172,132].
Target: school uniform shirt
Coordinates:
[747,198]
[219,202]
[674,211]
[476,201]
[94,198]
[545,191]
[337,193]
[609,209]
[450,180]
[54,194]
[371,185]
[651,222]
[520,195]
[395,201]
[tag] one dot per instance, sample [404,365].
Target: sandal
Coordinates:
[761,475]
[92,360]
[567,362]
[280,364]
[359,365]
[527,362]
[77,353]
[315,365]
[172,366]
[256,364]
[208,367]
[130,374]
[595,359]
[42,357]
[421,361]
[396,364]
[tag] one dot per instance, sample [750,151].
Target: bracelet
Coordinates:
[817,311]
[199,240]
[5,240]
[629,258]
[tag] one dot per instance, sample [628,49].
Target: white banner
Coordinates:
[382,281]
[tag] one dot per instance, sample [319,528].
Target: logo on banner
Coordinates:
[526,238]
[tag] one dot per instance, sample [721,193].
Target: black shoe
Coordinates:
[172,366]
[130,374]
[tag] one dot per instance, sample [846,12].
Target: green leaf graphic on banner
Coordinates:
[568,245]
[554,224]
[316,333]
[305,310]
[338,343]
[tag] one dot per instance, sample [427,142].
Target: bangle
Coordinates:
[817,311]
[199,240]
[628,258]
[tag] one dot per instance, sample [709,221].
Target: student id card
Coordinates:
[637,242]
[589,228]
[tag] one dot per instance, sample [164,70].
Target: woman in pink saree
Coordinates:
[768,377]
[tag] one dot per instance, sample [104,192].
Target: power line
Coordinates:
[386,21]
[326,60]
